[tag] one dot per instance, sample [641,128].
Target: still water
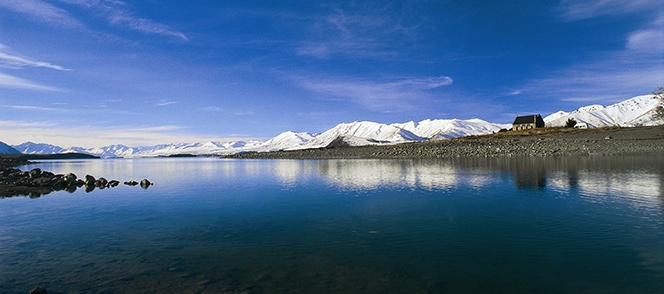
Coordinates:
[519,225]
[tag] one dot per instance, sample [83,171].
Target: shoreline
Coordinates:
[611,141]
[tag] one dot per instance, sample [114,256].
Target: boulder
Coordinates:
[70,178]
[113,183]
[35,173]
[145,183]
[59,184]
[90,180]
[101,182]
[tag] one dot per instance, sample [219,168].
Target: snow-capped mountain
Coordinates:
[361,133]
[6,149]
[351,134]
[113,151]
[39,148]
[646,110]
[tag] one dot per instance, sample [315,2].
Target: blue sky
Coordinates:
[97,72]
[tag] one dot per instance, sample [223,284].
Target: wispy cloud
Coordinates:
[364,32]
[30,107]
[613,76]
[573,10]
[12,82]
[211,109]
[377,95]
[42,11]
[650,39]
[10,61]
[16,132]
[165,103]
[117,13]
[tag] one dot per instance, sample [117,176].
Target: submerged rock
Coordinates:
[131,183]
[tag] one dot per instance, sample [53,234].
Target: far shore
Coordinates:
[535,142]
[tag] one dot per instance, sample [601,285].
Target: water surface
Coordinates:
[586,224]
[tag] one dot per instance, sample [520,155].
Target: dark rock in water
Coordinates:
[70,178]
[145,183]
[131,183]
[89,188]
[113,183]
[41,182]
[60,184]
[71,188]
[80,183]
[38,290]
[101,183]
[35,173]
[90,180]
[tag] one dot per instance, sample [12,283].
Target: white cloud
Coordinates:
[10,61]
[649,40]
[30,107]
[11,82]
[359,32]
[614,76]
[117,14]
[165,103]
[65,135]
[573,10]
[212,109]
[41,11]
[377,95]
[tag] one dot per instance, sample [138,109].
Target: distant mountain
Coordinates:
[646,110]
[38,148]
[6,149]
[638,111]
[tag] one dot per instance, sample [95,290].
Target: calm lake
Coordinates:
[208,225]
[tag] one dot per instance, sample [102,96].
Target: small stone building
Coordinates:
[528,122]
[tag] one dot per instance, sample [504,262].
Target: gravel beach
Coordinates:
[536,142]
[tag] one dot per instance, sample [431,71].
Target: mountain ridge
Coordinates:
[644,110]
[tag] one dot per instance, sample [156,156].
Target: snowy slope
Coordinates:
[638,111]
[6,149]
[371,131]
[286,140]
[38,148]
[450,128]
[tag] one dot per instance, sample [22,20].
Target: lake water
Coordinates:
[207,225]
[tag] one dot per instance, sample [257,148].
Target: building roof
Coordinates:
[526,119]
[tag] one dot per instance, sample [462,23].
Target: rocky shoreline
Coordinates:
[35,183]
[537,142]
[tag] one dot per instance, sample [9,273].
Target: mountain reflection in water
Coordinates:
[641,176]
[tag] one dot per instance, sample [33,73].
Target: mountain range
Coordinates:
[637,111]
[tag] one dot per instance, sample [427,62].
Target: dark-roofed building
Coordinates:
[528,122]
